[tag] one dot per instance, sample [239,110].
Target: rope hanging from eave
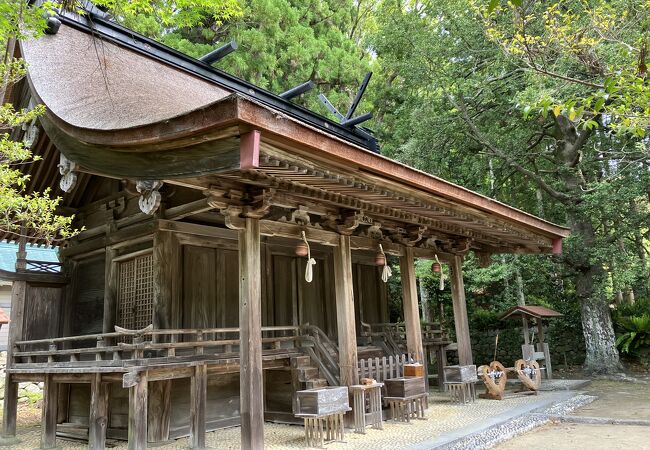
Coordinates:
[442,275]
[386,272]
[309,271]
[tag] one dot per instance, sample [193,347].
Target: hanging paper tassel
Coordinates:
[309,272]
[442,275]
[386,272]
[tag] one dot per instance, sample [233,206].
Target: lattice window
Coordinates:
[135,292]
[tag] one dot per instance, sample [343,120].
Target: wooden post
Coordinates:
[98,413]
[165,278]
[49,415]
[138,413]
[524,321]
[540,331]
[345,320]
[250,337]
[110,291]
[10,405]
[410,304]
[197,407]
[460,312]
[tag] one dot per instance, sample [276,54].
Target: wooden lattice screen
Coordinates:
[135,292]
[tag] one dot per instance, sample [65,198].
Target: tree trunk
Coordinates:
[601,354]
[600,341]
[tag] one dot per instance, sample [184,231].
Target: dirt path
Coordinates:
[580,436]
[616,400]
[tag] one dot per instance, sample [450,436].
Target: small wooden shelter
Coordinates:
[539,313]
[182,306]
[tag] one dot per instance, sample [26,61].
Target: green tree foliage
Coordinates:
[35,213]
[282,43]
[543,105]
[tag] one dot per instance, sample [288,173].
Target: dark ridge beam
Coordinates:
[356,120]
[221,52]
[357,98]
[296,91]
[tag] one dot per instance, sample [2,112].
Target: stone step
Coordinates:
[316,383]
[300,361]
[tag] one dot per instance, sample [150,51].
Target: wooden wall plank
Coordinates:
[461,321]
[160,409]
[251,380]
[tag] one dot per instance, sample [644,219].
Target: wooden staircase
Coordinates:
[304,374]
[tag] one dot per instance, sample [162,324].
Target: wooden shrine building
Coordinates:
[182,307]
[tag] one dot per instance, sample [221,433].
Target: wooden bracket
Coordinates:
[262,205]
[150,196]
[233,219]
[374,231]
[130,379]
[299,216]
[459,246]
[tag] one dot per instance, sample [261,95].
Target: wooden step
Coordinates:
[300,361]
[307,373]
[316,383]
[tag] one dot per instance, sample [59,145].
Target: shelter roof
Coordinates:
[122,106]
[537,312]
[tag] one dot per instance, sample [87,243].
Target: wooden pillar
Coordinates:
[345,320]
[98,422]
[197,407]
[110,291]
[460,312]
[49,415]
[138,413]
[250,337]
[10,405]
[166,270]
[410,304]
[540,331]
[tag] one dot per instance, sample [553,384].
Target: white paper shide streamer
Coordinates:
[386,272]
[309,271]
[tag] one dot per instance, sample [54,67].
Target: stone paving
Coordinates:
[442,418]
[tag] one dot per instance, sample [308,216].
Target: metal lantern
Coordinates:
[380,259]
[301,249]
[435,267]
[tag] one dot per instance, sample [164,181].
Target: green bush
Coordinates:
[636,335]
[483,319]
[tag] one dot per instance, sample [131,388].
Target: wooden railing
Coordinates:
[392,336]
[381,369]
[148,346]
[33,266]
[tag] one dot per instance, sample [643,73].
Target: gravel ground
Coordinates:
[442,417]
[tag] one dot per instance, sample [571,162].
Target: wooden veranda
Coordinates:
[181,306]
